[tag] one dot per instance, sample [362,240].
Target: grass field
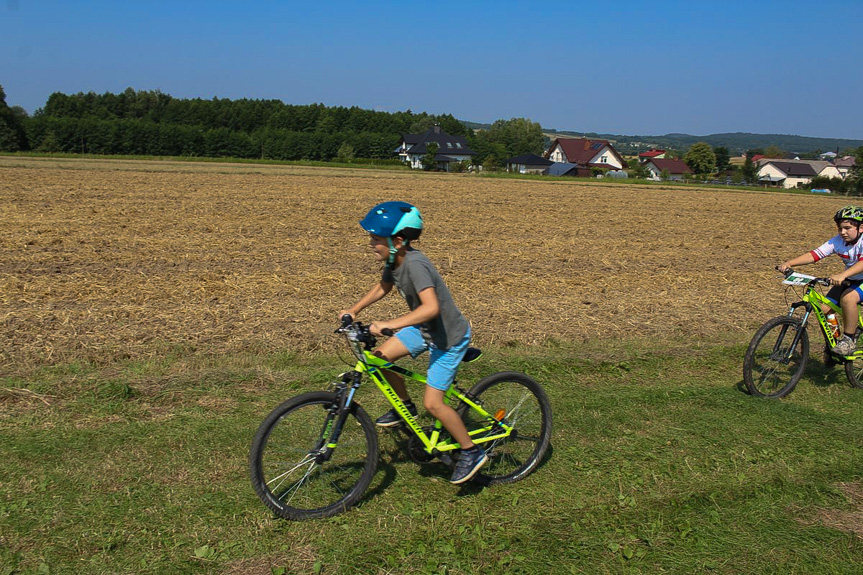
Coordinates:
[152,313]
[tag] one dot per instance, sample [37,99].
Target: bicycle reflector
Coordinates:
[498,416]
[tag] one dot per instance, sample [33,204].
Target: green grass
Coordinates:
[363,163]
[660,463]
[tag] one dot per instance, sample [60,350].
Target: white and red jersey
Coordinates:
[850,254]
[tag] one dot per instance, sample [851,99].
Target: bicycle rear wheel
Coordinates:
[288,471]
[521,403]
[771,368]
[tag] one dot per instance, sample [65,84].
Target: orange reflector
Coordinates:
[499,415]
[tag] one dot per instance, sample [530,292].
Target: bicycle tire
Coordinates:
[763,374]
[854,372]
[527,408]
[286,476]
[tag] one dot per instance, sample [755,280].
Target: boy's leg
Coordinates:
[393,350]
[434,404]
[443,366]
[848,302]
[407,341]
[472,456]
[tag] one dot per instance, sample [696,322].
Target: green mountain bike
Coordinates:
[315,454]
[779,351]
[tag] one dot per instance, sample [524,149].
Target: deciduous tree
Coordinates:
[700,158]
[12,136]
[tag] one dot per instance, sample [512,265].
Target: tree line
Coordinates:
[151,123]
[155,124]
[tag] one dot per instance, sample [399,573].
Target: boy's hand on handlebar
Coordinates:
[379,328]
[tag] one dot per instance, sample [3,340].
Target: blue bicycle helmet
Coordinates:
[392,219]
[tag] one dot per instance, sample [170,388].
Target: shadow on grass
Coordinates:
[433,468]
[481,481]
[822,372]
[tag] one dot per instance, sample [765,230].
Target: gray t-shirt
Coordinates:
[415,274]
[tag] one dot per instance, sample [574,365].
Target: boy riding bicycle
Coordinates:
[433,324]
[847,245]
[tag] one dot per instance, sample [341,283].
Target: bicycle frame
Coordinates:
[368,363]
[812,304]
[372,365]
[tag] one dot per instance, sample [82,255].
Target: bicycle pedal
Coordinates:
[446,459]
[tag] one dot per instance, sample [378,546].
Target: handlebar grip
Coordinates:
[347,320]
[388,332]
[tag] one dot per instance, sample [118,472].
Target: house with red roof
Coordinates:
[653,153]
[672,168]
[585,154]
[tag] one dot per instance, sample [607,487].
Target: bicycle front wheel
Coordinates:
[771,368]
[295,473]
[854,372]
[518,401]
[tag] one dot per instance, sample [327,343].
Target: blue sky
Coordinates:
[636,68]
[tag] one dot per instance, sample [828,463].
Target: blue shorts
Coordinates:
[443,363]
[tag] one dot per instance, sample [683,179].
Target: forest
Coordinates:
[151,123]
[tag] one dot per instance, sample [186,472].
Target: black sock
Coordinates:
[850,335]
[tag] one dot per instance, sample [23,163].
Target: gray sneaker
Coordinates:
[468,464]
[845,346]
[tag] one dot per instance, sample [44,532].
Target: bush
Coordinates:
[835,185]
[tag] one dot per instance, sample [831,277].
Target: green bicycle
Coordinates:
[315,454]
[778,353]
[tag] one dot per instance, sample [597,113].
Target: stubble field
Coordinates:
[107,260]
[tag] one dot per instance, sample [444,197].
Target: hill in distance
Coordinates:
[736,142]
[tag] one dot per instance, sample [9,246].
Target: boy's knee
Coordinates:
[431,404]
[851,296]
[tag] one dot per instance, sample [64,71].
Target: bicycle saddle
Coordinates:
[472,354]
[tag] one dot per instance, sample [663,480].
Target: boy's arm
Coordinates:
[427,310]
[378,291]
[855,269]
[801,260]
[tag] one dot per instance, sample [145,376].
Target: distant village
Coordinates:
[586,158]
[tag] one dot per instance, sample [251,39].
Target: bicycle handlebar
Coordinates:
[822,281]
[347,320]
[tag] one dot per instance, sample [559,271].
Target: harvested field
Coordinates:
[108,259]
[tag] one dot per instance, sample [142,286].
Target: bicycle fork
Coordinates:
[783,355]
[337,414]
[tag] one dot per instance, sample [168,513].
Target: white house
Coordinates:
[450,148]
[786,173]
[585,153]
[844,164]
[673,169]
[528,164]
[795,173]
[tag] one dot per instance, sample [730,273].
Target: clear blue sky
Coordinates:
[623,67]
